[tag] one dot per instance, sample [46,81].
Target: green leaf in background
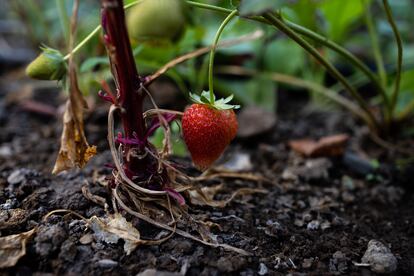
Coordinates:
[264,92]
[341,15]
[259,7]
[406,89]
[259,90]
[283,56]
[303,12]
[90,63]
[235,3]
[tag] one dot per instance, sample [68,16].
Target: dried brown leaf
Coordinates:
[333,145]
[13,247]
[116,227]
[74,148]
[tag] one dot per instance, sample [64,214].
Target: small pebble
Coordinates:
[10,203]
[299,223]
[5,151]
[307,217]
[313,225]
[86,239]
[17,176]
[107,263]
[239,162]
[263,270]
[325,225]
[307,263]
[338,263]
[275,229]
[315,169]
[379,257]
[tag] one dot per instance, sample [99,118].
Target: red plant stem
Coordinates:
[128,82]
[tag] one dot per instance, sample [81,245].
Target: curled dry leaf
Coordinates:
[113,228]
[333,145]
[74,148]
[13,247]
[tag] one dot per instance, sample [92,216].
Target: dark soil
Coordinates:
[317,216]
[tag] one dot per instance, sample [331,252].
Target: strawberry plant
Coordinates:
[143,178]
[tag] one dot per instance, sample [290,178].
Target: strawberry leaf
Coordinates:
[220,104]
[205,97]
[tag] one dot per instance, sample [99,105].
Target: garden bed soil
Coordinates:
[316,216]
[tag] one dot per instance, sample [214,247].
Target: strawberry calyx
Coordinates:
[209,99]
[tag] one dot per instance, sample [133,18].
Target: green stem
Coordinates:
[213,52]
[409,108]
[329,67]
[83,42]
[379,60]
[375,43]
[343,52]
[63,18]
[209,7]
[398,39]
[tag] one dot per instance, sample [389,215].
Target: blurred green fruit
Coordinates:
[49,65]
[157,20]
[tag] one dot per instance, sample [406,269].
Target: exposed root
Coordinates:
[152,112]
[173,230]
[70,212]
[94,198]
[205,195]
[222,173]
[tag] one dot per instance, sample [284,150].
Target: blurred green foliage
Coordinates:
[339,20]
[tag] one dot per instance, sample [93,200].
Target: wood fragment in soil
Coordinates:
[333,145]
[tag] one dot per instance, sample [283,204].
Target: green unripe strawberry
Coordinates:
[157,20]
[49,65]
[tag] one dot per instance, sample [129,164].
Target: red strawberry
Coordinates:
[207,132]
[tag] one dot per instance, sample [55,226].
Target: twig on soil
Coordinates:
[152,112]
[44,219]
[94,198]
[361,264]
[245,176]
[293,264]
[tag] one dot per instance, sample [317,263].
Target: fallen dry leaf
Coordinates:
[113,228]
[13,247]
[333,145]
[74,148]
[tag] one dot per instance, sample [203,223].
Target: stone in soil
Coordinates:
[379,257]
